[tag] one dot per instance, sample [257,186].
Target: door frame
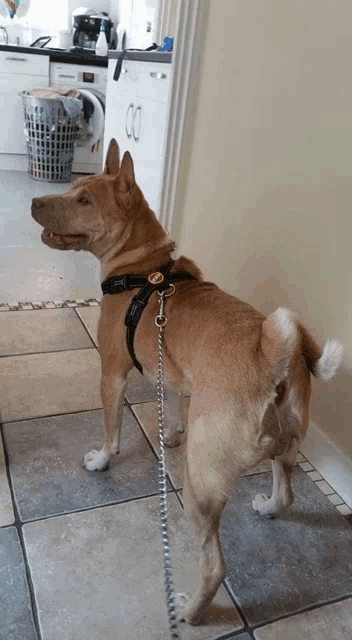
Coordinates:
[186,67]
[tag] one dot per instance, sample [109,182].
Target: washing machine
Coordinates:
[91,81]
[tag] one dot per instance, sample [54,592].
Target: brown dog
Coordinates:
[249,375]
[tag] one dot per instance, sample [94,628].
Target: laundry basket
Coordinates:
[50,135]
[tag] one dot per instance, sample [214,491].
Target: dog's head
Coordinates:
[96,211]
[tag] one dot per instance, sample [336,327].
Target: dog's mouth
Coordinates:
[64,241]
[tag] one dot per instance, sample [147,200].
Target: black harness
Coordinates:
[157,281]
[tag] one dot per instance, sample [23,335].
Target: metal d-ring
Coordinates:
[167,295]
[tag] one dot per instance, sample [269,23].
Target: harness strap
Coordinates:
[158,281]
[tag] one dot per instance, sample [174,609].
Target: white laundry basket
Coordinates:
[50,135]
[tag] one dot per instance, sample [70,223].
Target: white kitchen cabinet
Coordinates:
[121,98]
[136,116]
[150,129]
[18,72]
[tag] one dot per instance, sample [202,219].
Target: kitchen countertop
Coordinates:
[59,55]
[74,57]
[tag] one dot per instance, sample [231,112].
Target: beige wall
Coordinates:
[267,202]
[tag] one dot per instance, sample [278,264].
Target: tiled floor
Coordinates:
[80,552]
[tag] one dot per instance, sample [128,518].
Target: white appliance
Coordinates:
[139,19]
[92,81]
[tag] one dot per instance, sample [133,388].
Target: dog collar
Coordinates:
[156,281]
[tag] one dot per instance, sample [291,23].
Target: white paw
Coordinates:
[96,460]
[262,504]
[181,602]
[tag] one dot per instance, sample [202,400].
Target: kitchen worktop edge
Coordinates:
[145,56]
[70,57]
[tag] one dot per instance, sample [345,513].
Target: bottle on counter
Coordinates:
[101,47]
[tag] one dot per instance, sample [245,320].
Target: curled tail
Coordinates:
[326,367]
[279,341]
[282,335]
[322,364]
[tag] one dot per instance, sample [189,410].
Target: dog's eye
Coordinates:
[84,199]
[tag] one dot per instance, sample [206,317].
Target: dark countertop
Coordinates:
[146,56]
[70,57]
[75,57]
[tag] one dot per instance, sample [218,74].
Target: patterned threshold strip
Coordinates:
[50,304]
[302,461]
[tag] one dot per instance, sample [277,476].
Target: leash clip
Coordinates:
[160,319]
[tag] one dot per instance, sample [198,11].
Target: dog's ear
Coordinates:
[126,179]
[112,162]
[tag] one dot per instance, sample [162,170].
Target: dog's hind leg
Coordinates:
[112,394]
[282,494]
[204,501]
[175,418]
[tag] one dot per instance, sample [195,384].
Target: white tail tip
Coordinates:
[329,362]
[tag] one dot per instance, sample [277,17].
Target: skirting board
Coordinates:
[334,465]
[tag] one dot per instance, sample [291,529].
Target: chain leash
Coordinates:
[160,322]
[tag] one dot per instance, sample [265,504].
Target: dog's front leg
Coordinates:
[112,394]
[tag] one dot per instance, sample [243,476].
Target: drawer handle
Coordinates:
[158,76]
[17,59]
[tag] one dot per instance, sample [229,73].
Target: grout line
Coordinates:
[18,526]
[227,587]
[292,614]
[51,415]
[85,326]
[237,634]
[91,508]
[154,452]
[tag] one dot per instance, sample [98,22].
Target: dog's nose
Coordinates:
[37,203]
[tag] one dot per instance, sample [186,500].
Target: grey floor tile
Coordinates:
[332,622]
[90,317]
[16,618]
[7,515]
[147,414]
[41,331]
[139,388]
[279,566]
[46,455]
[42,384]
[98,574]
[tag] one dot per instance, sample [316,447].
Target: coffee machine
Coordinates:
[86,28]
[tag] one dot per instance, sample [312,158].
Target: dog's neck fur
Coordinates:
[143,247]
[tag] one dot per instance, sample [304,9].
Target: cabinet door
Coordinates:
[149,128]
[120,105]
[12,138]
